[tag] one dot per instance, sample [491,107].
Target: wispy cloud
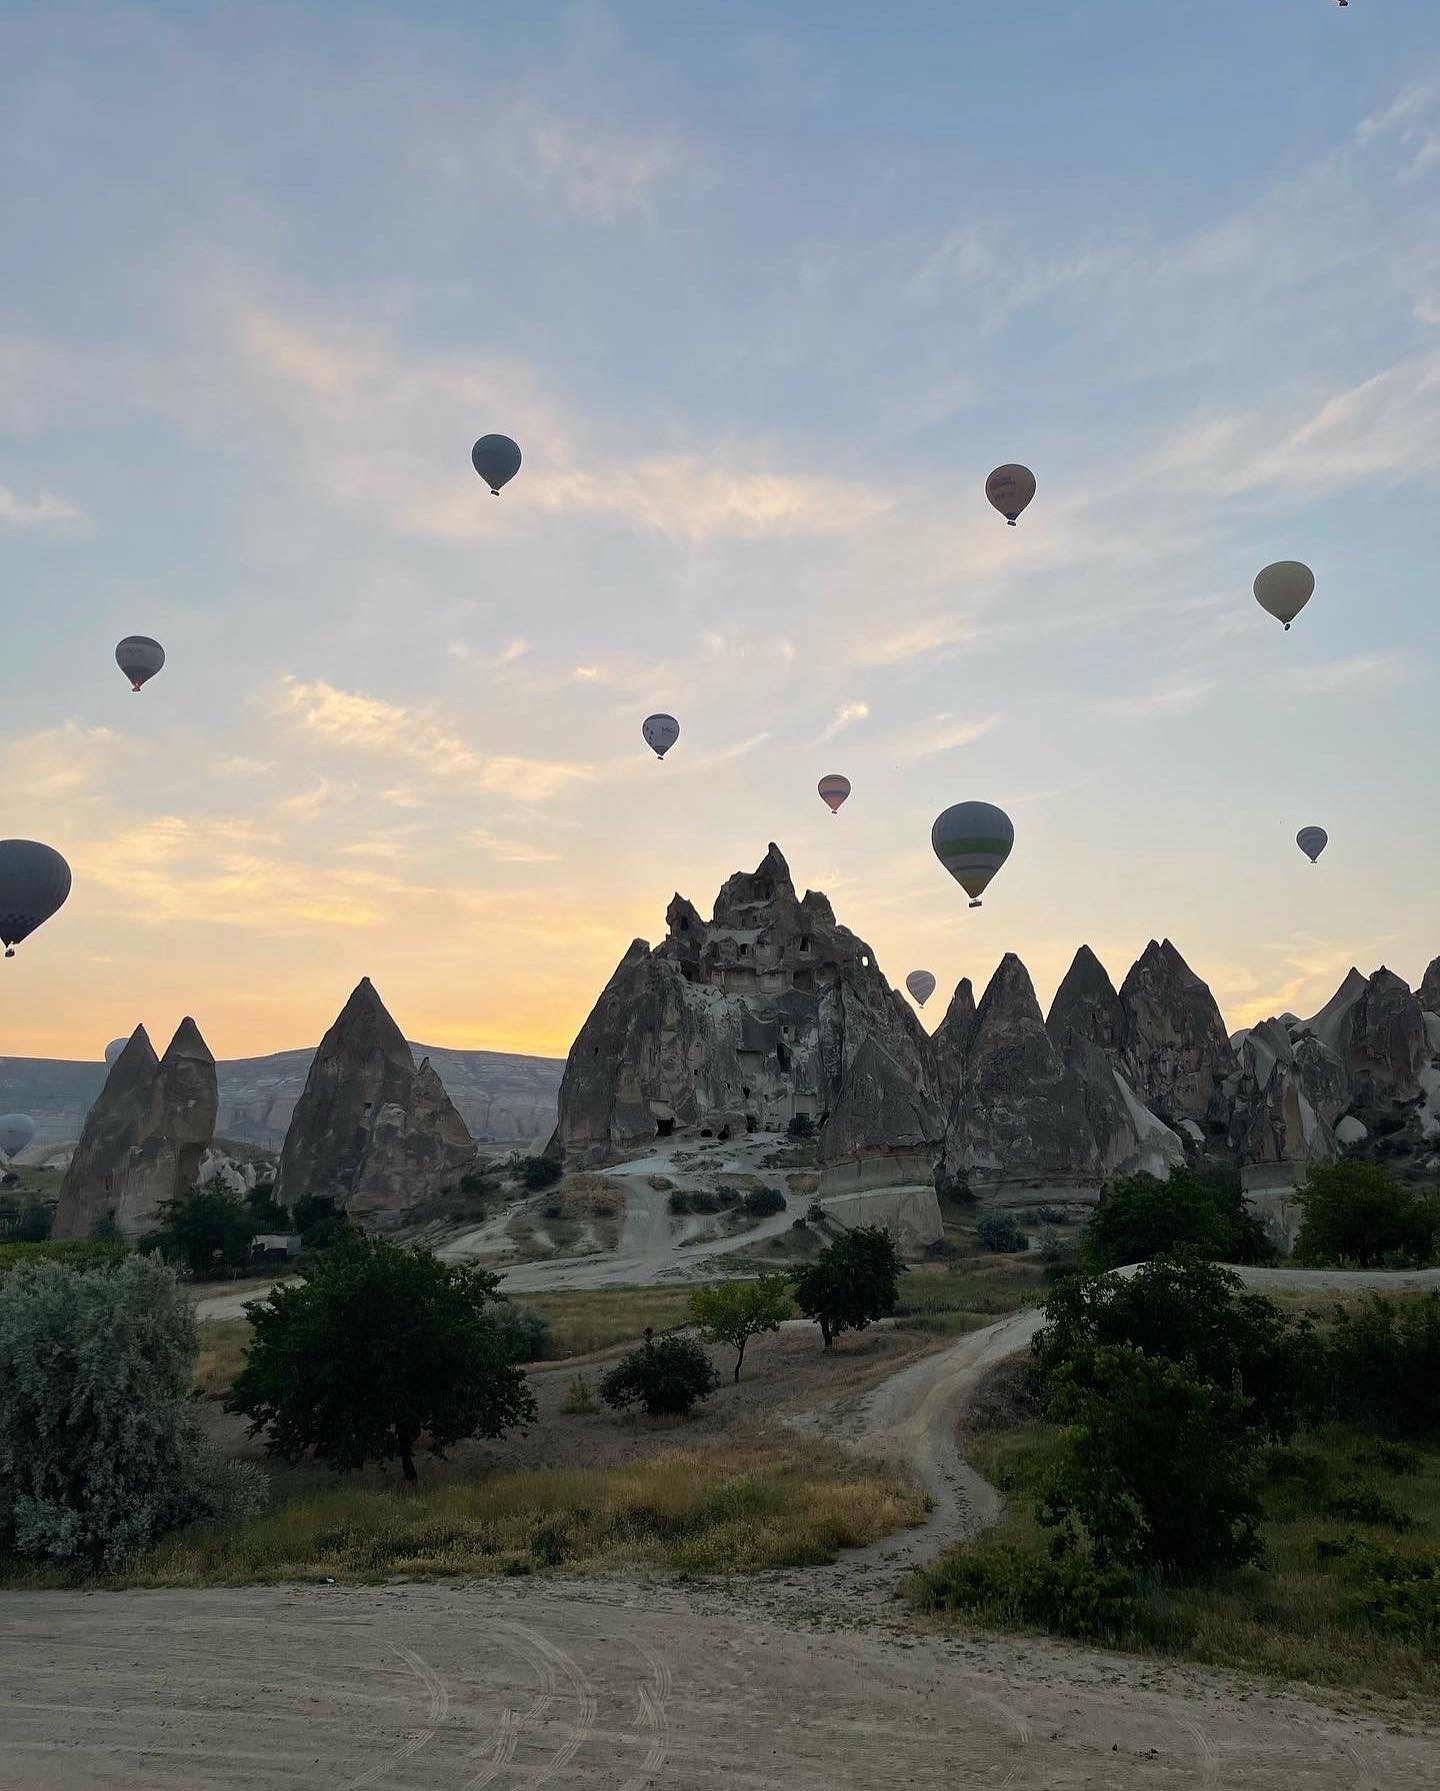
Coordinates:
[44,511]
[512,851]
[944,733]
[1362,674]
[488,662]
[1167,699]
[843,718]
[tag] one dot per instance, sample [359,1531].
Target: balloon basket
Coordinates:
[975,903]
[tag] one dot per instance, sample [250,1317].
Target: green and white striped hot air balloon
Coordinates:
[972,840]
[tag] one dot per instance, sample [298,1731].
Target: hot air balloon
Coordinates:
[1010,489]
[661,732]
[16,1131]
[1312,841]
[921,985]
[972,840]
[34,882]
[1283,590]
[833,790]
[497,460]
[113,1050]
[139,658]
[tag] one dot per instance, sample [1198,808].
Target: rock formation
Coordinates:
[1175,1042]
[1428,993]
[370,1132]
[1020,1115]
[739,1022]
[1381,1042]
[1087,1009]
[144,1138]
[950,1039]
[883,1131]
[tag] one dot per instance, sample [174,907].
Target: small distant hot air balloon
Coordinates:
[972,840]
[1010,489]
[1283,590]
[497,460]
[113,1050]
[833,790]
[34,882]
[1312,841]
[921,985]
[16,1131]
[139,658]
[661,732]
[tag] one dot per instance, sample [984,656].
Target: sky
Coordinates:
[764,292]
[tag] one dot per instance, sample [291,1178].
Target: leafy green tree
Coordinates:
[1355,1212]
[666,1375]
[1001,1232]
[376,1349]
[1183,1310]
[852,1282]
[1139,1217]
[106,1230]
[100,1449]
[266,1213]
[1157,1467]
[536,1173]
[733,1312]
[319,1221]
[207,1228]
[1379,1366]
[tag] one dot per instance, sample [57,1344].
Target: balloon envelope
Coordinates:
[1010,489]
[34,882]
[113,1050]
[833,791]
[921,985]
[497,460]
[972,840]
[1312,841]
[139,658]
[661,732]
[1283,590]
[16,1131]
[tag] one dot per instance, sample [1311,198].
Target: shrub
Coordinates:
[1379,1366]
[815,1213]
[666,1375]
[207,1229]
[760,1203]
[1354,1212]
[1066,1594]
[528,1332]
[33,1222]
[106,1230]
[580,1395]
[477,1181]
[679,1203]
[735,1311]
[100,1451]
[375,1348]
[801,1126]
[74,1253]
[266,1214]
[1157,1467]
[536,1173]
[852,1282]
[1189,1312]
[1203,1211]
[1365,1505]
[1399,1594]
[1001,1232]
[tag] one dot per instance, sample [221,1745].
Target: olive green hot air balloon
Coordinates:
[972,840]
[1283,590]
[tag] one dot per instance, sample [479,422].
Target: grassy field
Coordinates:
[1307,1615]
[714,1509]
[956,1294]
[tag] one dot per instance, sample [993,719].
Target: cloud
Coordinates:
[240,765]
[1362,674]
[1167,699]
[354,720]
[842,719]
[944,733]
[493,662]
[44,511]
[513,851]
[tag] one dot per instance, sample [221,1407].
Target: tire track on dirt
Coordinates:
[654,1716]
[512,1722]
[439,1710]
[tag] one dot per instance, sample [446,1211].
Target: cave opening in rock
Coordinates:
[751,1124]
[664,1127]
[782,1056]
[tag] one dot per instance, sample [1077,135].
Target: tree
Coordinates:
[206,1228]
[1139,1217]
[1157,1466]
[100,1450]
[1183,1310]
[1379,1366]
[666,1375]
[377,1348]
[1002,1233]
[536,1173]
[265,1212]
[733,1312]
[851,1283]
[801,1126]
[1354,1212]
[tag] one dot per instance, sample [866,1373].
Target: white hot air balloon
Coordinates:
[16,1131]
[833,790]
[972,840]
[921,985]
[661,732]
[1283,590]
[1010,489]
[1312,841]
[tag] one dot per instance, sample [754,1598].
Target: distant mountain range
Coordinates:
[503,1098]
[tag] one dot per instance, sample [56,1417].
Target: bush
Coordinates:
[1156,1469]
[1366,1505]
[1140,1217]
[1355,1212]
[377,1347]
[320,1222]
[801,1126]
[851,1283]
[1189,1312]
[815,1214]
[580,1395]
[536,1173]
[735,1311]
[528,1332]
[1001,1232]
[1399,1594]
[477,1181]
[207,1229]
[266,1214]
[1378,1366]
[1066,1594]
[74,1253]
[679,1203]
[760,1203]
[100,1451]
[31,1223]
[666,1375]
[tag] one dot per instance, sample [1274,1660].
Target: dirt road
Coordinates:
[507,1686]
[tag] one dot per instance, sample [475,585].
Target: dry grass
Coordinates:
[952,1295]
[715,1509]
[1297,1618]
[223,1344]
[581,1216]
[584,1321]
